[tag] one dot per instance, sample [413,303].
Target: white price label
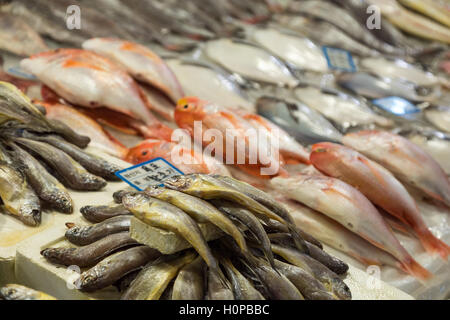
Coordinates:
[148,174]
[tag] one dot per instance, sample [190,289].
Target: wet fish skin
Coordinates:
[328,278]
[407,161]
[189,284]
[18,292]
[201,211]
[72,173]
[84,235]
[378,185]
[48,188]
[218,289]
[90,162]
[309,287]
[168,217]
[115,267]
[89,255]
[250,221]
[67,133]
[154,279]
[101,213]
[242,287]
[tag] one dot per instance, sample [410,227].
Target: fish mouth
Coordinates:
[32,217]
[154,191]
[178,182]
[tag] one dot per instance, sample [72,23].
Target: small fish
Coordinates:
[366,85]
[116,266]
[139,61]
[18,292]
[189,283]
[340,108]
[242,287]
[84,235]
[436,9]
[217,288]
[300,121]
[47,187]
[201,211]
[99,137]
[18,37]
[94,81]
[328,278]
[90,162]
[154,279]
[309,287]
[89,255]
[168,217]
[250,61]
[97,214]
[406,160]
[70,171]
[352,209]
[378,185]
[439,116]
[17,196]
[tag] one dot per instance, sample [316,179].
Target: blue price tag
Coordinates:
[339,59]
[396,105]
[148,174]
[18,72]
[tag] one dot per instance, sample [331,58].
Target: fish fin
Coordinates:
[410,266]
[433,245]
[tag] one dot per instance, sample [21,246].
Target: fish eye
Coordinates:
[186,106]
[144,153]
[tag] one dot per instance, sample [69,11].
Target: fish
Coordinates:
[71,173]
[352,209]
[242,287]
[324,33]
[411,22]
[17,196]
[47,187]
[90,162]
[140,62]
[187,159]
[343,20]
[379,186]
[253,153]
[201,211]
[154,279]
[406,160]
[19,292]
[114,267]
[168,217]
[91,254]
[103,83]
[338,237]
[209,188]
[189,283]
[99,137]
[309,287]
[209,83]
[435,9]
[399,69]
[249,61]
[303,123]
[301,53]
[342,109]
[253,224]
[334,264]
[98,214]
[162,105]
[289,148]
[84,235]
[439,116]
[328,278]
[18,37]
[217,288]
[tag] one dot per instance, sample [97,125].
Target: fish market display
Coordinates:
[437,10]
[18,292]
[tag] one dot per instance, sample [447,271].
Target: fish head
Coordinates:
[340,289]
[188,110]
[154,191]
[324,152]
[147,150]
[179,183]
[134,200]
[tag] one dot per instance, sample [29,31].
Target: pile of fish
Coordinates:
[261,255]
[40,157]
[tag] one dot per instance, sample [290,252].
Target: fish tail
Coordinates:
[433,245]
[409,265]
